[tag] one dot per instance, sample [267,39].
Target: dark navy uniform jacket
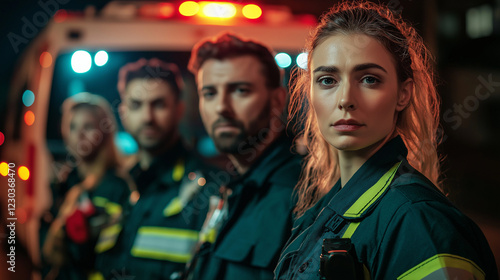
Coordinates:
[160,231]
[109,197]
[259,221]
[401,225]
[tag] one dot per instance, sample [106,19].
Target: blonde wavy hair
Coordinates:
[417,124]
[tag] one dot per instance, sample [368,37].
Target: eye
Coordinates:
[242,90]
[326,81]
[370,80]
[159,104]
[133,105]
[208,94]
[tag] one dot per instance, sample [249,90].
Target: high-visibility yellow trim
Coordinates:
[350,230]
[95,276]
[443,261]
[99,201]
[169,244]
[113,208]
[371,195]
[174,207]
[170,232]
[158,255]
[209,236]
[179,170]
[107,238]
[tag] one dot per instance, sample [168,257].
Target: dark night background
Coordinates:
[470,149]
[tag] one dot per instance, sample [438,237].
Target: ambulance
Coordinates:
[82,51]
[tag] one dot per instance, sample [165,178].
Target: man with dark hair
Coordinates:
[241,104]
[162,227]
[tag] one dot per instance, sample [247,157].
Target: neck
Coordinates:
[243,162]
[351,161]
[146,156]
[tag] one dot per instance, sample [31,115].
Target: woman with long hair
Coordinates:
[88,220]
[369,201]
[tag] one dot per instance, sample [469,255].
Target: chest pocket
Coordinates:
[258,235]
[258,254]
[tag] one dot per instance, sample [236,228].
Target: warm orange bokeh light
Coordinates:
[45,60]
[29,118]
[166,10]
[4,169]
[252,11]
[23,172]
[202,181]
[189,8]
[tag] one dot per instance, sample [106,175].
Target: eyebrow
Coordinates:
[357,68]
[229,85]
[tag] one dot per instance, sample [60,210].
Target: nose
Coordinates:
[223,106]
[147,114]
[347,99]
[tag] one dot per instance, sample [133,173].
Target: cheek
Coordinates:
[322,107]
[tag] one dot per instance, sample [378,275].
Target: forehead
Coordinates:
[350,50]
[245,68]
[84,114]
[144,89]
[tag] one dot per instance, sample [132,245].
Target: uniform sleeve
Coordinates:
[431,240]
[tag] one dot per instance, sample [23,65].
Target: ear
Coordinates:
[404,95]
[122,112]
[180,107]
[278,98]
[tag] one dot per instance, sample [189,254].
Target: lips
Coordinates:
[347,125]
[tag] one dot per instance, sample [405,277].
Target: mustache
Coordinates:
[147,125]
[225,121]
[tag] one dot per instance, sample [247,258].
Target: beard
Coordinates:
[231,143]
[154,143]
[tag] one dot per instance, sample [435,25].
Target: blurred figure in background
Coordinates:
[95,194]
[162,227]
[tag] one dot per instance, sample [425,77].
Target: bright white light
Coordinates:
[81,61]
[101,58]
[302,60]
[283,60]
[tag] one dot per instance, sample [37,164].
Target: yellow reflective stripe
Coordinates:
[179,170]
[350,230]
[169,244]
[95,276]
[107,238]
[209,236]
[371,195]
[157,255]
[171,232]
[113,208]
[454,263]
[174,207]
[100,201]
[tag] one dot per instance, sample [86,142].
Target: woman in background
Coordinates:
[88,221]
[368,203]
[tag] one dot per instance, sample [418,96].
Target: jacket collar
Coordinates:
[271,158]
[370,182]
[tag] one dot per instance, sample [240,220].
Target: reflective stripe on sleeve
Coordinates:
[444,266]
[107,238]
[168,244]
[111,208]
